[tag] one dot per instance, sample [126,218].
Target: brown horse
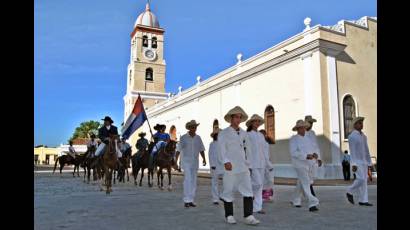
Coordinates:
[69,160]
[109,161]
[164,160]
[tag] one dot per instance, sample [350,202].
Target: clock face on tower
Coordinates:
[150,54]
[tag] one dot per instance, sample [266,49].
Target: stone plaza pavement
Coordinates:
[64,202]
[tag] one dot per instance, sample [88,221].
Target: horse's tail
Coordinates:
[55,164]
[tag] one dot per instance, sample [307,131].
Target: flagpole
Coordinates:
[149,126]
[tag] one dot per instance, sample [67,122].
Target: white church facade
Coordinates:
[329,72]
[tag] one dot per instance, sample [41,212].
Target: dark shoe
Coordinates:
[350,198]
[261,212]
[186,205]
[313,209]
[365,204]
[191,204]
[215,203]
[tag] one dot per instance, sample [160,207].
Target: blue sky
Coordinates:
[81,48]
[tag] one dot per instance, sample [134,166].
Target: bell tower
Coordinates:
[146,70]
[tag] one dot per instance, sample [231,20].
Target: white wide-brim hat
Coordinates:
[356,119]
[255,117]
[300,123]
[236,110]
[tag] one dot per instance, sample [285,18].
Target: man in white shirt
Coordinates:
[216,167]
[360,161]
[258,159]
[71,150]
[311,135]
[302,153]
[190,146]
[234,151]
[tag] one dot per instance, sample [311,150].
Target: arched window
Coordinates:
[349,113]
[130,76]
[270,123]
[149,75]
[144,41]
[154,42]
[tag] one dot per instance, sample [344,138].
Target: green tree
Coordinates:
[85,128]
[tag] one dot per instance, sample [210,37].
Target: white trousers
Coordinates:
[303,188]
[268,179]
[101,147]
[257,179]
[214,185]
[359,185]
[313,171]
[190,176]
[240,182]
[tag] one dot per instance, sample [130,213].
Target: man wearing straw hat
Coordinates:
[258,160]
[190,146]
[302,153]
[311,135]
[360,161]
[234,151]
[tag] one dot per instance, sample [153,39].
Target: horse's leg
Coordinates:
[114,176]
[162,180]
[61,167]
[128,176]
[169,179]
[142,175]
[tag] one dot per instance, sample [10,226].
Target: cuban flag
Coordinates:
[135,120]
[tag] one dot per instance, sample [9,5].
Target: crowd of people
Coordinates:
[241,158]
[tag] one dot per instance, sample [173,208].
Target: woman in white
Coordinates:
[267,191]
[258,159]
[216,167]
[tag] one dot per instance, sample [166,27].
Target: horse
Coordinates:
[89,159]
[140,160]
[109,162]
[123,166]
[164,160]
[69,160]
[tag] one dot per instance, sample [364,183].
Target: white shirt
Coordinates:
[190,147]
[92,143]
[300,147]
[108,127]
[72,150]
[258,145]
[311,135]
[213,157]
[359,150]
[231,148]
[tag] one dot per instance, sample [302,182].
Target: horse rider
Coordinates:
[142,144]
[71,151]
[90,143]
[160,141]
[104,135]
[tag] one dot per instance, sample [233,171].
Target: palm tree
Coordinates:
[85,129]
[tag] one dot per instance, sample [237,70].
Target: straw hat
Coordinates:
[191,123]
[309,118]
[299,123]
[254,118]
[236,110]
[356,119]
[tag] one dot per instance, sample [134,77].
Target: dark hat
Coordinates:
[92,135]
[157,127]
[142,134]
[163,127]
[107,118]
